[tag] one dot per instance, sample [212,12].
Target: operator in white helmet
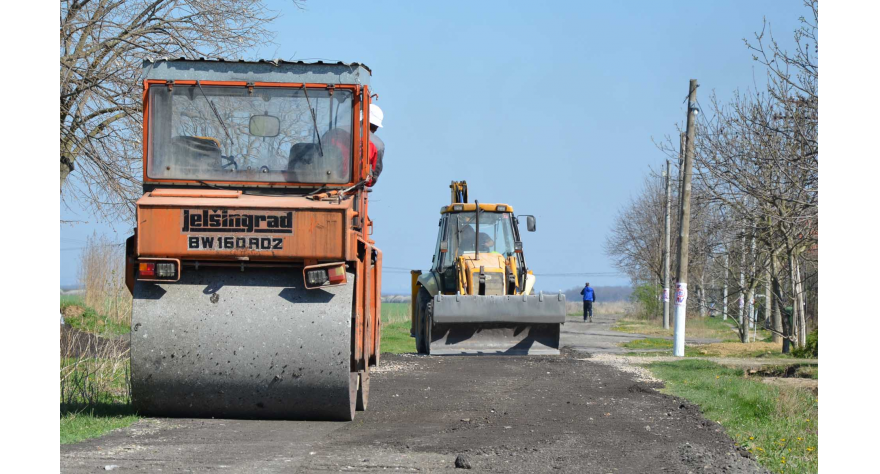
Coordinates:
[377,146]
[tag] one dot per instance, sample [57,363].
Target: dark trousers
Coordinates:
[588,309]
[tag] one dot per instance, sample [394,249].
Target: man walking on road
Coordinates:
[589,297]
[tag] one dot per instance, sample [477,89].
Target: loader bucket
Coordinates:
[509,325]
[243,344]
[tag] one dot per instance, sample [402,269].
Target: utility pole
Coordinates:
[685,224]
[680,183]
[666,248]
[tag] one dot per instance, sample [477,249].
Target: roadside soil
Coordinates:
[568,413]
[76,344]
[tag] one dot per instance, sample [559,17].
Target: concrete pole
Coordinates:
[682,145]
[667,248]
[685,227]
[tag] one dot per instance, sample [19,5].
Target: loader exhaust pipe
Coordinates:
[477,236]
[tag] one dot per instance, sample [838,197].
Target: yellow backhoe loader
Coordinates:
[478,296]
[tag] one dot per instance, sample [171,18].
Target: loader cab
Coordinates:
[458,237]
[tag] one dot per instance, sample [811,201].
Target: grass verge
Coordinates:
[95,396]
[396,340]
[696,328]
[94,374]
[738,350]
[395,329]
[778,425]
[81,317]
[648,343]
[80,423]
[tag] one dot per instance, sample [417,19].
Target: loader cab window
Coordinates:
[495,236]
[265,134]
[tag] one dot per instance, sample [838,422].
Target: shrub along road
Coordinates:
[501,414]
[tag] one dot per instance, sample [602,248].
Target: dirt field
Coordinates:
[495,414]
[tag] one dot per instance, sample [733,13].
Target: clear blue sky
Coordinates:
[549,107]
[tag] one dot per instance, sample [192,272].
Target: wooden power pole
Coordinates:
[666,248]
[684,224]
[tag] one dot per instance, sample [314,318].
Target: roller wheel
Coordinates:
[193,356]
[363,394]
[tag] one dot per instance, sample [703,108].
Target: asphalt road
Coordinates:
[497,414]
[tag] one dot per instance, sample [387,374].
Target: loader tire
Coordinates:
[421,342]
[427,322]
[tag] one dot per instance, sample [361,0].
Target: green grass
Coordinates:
[696,327]
[89,320]
[648,343]
[395,312]
[95,398]
[778,425]
[395,329]
[68,300]
[78,424]
[396,340]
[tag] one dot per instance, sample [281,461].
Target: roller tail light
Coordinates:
[327,274]
[158,270]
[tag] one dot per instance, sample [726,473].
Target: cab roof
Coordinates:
[470,207]
[318,72]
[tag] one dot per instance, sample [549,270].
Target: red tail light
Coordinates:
[158,269]
[336,274]
[325,274]
[147,270]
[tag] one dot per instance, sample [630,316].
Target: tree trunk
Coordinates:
[777,297]
[796,309]
[726,275]
[799,299]
[742,281]
[701,294]
[768,302]
[744,329]
[66,168]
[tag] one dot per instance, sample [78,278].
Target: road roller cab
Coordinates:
[478,296]
[255,281]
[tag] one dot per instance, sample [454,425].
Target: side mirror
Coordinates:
[530,222]
[264,126]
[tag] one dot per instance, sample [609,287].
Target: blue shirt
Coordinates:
[588,294]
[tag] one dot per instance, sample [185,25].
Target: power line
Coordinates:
[600,274]
[81,248]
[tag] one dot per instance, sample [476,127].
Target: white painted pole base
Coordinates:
[680,311]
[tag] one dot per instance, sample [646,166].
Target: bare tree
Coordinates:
[103,45]
[756,191]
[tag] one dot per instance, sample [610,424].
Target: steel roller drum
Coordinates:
[223,342]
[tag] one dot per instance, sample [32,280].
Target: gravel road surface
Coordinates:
[431,414]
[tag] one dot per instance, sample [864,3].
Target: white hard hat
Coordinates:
[376,115]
